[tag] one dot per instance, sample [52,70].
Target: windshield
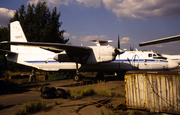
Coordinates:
[158,56]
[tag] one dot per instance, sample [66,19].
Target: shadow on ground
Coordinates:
[94,80]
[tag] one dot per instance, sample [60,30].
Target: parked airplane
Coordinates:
[164,40]
[100,58]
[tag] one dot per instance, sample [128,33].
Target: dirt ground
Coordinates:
[13,102]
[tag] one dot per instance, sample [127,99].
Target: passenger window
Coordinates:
[149,55]
[154,55]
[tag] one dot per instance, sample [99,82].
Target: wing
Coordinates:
[4,52]
[78,54]
[50,46]
[162,40]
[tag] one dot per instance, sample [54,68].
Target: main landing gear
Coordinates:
[77,76]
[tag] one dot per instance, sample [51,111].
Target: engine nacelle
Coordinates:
[102,54]
[98,54]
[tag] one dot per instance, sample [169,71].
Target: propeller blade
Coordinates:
[118,43]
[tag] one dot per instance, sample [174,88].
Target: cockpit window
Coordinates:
[149,55]
[158,56]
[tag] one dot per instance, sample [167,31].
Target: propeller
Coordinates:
[118,50]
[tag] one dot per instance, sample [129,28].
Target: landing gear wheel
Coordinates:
[77,77]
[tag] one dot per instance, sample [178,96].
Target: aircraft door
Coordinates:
[135,61]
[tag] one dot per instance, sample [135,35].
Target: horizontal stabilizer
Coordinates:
[3,52]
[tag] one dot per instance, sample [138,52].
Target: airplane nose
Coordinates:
[172,64]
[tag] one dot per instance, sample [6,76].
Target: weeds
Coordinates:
[31,107]
[82,92]
[107,93]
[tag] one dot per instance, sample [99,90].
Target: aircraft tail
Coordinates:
[17,35]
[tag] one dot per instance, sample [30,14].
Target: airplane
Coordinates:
[100,58]
[164,40]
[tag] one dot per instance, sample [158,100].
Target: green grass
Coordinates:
[31,107]
[90,91]
[82,92]
[107,93]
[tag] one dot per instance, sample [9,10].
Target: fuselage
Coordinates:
[130,60]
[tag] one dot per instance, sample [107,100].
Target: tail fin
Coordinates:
[17,34]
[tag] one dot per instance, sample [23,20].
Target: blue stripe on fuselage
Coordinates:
[53,61]
[140,60]
[121,60]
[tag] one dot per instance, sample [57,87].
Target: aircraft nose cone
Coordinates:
[172,64]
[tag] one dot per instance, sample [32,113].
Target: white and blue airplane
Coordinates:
[100,58]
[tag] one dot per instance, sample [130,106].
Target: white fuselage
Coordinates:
[173,57]
[130,60]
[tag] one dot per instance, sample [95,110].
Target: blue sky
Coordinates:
[134,20]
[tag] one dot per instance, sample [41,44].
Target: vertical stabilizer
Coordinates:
[17,34]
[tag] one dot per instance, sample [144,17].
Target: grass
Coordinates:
[31,107]
[79,93]
[107,93]
[82,92]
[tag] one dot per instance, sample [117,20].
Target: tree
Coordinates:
[39,24]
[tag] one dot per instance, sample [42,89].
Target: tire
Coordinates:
[48,95]
[62,93]
[48,90]
[77,77]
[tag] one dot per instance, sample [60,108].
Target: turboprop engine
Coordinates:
[97,55]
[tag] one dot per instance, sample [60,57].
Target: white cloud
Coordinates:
[94,37]
[5,15]
[125,40]
[159,46]
[89,3]
[66,35]
[137,9]
[74,37]
[143,9]
[52,2]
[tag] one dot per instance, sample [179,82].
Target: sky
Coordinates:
[134,21]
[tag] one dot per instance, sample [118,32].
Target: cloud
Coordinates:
[5,15]
[130,9]
[143,9]
[66,35]
[52,2]
[90,3]
[74,37]
[125,40]
[159,46]
[93,37]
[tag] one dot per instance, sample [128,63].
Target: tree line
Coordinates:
[39,25]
